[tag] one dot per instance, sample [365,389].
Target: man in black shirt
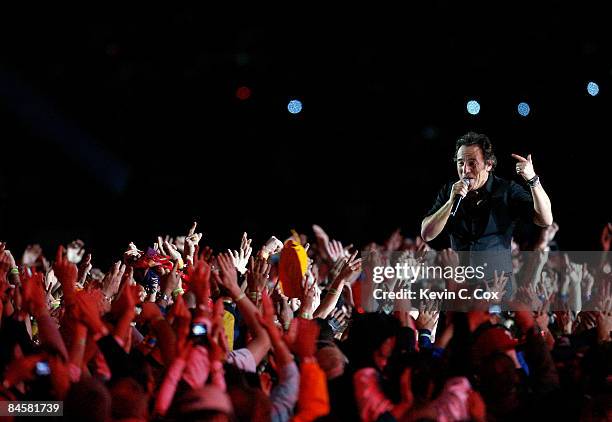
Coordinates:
[491,206]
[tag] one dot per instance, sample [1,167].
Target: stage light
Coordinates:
[473,107]
[523,109]
[243,93]
[592,88]
[294,106]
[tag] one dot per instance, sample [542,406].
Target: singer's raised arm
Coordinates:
[434,223]
[541,203]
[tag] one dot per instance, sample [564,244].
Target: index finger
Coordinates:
[193,227]
[518,157]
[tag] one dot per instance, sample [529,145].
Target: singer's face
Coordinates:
[471,165]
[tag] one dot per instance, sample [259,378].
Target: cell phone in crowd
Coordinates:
[199,333]
[42,368]
[199,329]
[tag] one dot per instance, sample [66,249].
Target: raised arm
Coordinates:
[541,203]
[227,278]
[433,224]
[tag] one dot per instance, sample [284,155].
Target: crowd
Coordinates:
[289,332]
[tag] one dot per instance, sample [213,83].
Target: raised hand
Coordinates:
[529,296]
[524,166]
[285,313]
[199,279]
[258,275]
[241,258]
[338,320]
[88,310]
[541,317]
[351,267]
[461,188]
[66,272]
[132,253]
[170,281]
[192,240]
[112,280]
[51,283]
[322,241]
[125,304]
[604,298]
[168,249]
[84,269]
[180,317]
[588,279]
[311,300]
[227,277]
[34,297]
[498,286]
[335,251]
[428,316]
[207,254]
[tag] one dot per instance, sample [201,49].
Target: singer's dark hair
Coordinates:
[473,138]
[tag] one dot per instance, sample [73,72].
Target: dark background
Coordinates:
[122,122]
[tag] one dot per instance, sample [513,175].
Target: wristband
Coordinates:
[177,291]
[534,181]
[240,297]
[305,315]
[14,270]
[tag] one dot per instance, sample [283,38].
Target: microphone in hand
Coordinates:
[460,194]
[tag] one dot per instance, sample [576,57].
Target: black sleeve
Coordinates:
[521,202]
[13,332]
[441,199]
[116,358]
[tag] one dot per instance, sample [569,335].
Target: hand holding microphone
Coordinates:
[460,189]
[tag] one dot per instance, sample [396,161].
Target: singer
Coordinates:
[488,208]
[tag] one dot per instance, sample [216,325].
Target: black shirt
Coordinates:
[486,220]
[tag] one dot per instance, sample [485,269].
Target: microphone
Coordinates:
[458,198]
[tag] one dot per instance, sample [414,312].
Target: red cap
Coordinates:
[495,339]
